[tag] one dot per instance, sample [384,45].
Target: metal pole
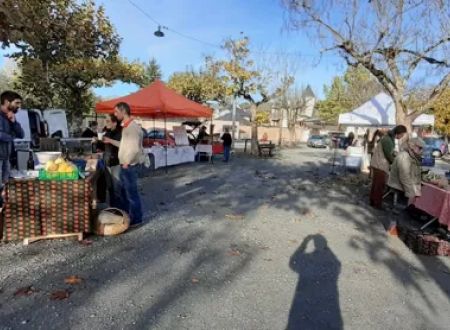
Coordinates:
[165,137]
[233,119]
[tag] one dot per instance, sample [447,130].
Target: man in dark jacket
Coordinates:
[90,131]
[227,142]
[10,129]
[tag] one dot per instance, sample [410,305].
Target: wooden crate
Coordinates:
[424,243]
[35,208]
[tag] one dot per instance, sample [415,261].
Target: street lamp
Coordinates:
[158,33]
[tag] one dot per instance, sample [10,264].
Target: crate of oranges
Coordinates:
[59,169]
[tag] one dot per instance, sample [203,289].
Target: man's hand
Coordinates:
[125,166]
[11,116]
[106,140]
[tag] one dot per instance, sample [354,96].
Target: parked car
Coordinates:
[158,136]
[318,141]
[435,146]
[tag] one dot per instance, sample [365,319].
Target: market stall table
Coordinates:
[206,149]
[175,155]
[34,208]
[436,202]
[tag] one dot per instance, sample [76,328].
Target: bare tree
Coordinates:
[256,82]
[293,104]
[401,42]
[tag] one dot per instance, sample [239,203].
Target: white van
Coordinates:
[37,124]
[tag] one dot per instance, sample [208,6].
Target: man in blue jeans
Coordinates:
[227,142]
[130,159]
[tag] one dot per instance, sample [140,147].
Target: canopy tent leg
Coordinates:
[211,131]
[154,131]
[165,137]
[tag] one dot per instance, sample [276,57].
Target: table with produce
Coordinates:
[435,197]
[53,200]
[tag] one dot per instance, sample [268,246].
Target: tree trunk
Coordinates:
[401,117]
[292,135]
[280,127]
[254,147]
[76,123]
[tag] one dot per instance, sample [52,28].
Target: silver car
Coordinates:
[318,141]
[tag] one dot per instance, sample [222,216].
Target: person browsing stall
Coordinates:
[111,140]
[383,157]
[130,158]
[406,171]
[202,134]
[90,131]
[227,142]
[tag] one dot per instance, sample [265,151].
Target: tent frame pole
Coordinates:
[165,137]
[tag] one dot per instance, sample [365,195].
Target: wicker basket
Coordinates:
[111,221]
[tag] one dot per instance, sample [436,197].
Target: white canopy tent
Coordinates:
[379,111]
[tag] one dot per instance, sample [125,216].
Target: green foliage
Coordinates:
[65,48]
[8,75]
[335,102]
[152,72]
[242,77]
[351,90]
[200,86]
[441,109]
[262,118]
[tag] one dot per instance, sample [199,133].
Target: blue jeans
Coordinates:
[4,176]
[131,201]
[226,153]
[115,187]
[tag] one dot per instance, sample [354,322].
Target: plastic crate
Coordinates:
[58,176]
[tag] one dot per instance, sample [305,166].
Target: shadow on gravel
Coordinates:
[316,299]
[180,252]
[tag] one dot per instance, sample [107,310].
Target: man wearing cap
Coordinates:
[406,171]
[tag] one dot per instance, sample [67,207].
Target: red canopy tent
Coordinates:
[157,101]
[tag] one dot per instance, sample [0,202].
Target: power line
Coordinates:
[145,13]
[160,25]
[170,29]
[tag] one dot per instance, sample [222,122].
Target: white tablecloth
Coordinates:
[175,155]
[206,148]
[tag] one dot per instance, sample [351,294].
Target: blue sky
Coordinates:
[211,21]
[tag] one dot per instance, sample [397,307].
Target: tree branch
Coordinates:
[421,56]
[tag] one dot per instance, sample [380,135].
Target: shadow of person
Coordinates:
[316,299]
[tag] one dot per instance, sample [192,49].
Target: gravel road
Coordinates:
[254,244]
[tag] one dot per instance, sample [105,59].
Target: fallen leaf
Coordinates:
[73,279]
[86,242]
[25,291]
[60,295]
[293,241]
[234,253]
[305,212]
[195,280]
[264,247]
[267,259]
